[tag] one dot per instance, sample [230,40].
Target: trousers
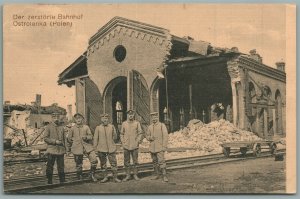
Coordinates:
[59,162]
[103,156]
[158,159]
[133,154]
[79,160]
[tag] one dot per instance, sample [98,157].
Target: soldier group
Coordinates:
[81,142]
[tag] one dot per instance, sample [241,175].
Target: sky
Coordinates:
[33,57]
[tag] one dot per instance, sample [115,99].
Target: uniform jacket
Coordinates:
[52,133]
[78,145]
[104,138]
[131,134]
[159,133]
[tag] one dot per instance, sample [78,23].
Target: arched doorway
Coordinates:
[266,113]
[115,100]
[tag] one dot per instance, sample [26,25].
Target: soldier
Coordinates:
[81,138]
[157,134]
[105,146]
[55,138]
[131,136]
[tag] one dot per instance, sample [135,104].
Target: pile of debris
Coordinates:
[33,136]
[207,138]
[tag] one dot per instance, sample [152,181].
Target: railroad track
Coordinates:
[43,156]
[38,183]
[24,161]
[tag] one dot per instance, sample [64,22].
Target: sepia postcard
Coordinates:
[149,99]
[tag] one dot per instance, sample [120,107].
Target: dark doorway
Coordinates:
[119,103]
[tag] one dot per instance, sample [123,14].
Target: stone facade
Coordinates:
[122,61]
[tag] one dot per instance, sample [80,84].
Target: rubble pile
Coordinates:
[32,134]
[208,137]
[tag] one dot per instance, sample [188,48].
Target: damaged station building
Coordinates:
[133,65]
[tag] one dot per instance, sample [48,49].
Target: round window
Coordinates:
[120,53]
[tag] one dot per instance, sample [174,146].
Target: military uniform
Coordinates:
[106,148]
[131,136]
[55,138]
[157,134]
[80,139]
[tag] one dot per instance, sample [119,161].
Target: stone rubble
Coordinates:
[206,138]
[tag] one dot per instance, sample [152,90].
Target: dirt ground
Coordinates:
[249,176]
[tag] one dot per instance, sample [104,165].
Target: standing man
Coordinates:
[157,134]
[104,144]
[56,139]
[81,138]
[131,136]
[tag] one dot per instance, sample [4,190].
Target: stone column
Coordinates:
[266,123]
[191,101]
[234,103]
[242,100]
[258,129]
[234,73]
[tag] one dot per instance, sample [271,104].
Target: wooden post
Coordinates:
[181,118]
[191,101]
[166,119]
[37,136]
[129,90]
[25,138]
[203,117]
[165,115]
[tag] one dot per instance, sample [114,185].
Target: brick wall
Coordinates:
[143,53]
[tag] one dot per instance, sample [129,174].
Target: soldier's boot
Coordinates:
[115,176]
[92,173]
[156,173]
[62,178]
[105,179]
[49,178]
[135,173]
[128,177]
[164,173]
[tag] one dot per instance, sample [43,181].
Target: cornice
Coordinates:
[131,32]
[128,24]
[262,69]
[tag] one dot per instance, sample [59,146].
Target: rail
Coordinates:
[38,183]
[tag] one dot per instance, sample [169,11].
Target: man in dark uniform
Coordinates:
[55,138]
[81,138]
[157,134]
[131,136]
[104,144]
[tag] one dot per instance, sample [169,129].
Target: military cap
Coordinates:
[78,114]
[130,111]
[104,115]
[154,114]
